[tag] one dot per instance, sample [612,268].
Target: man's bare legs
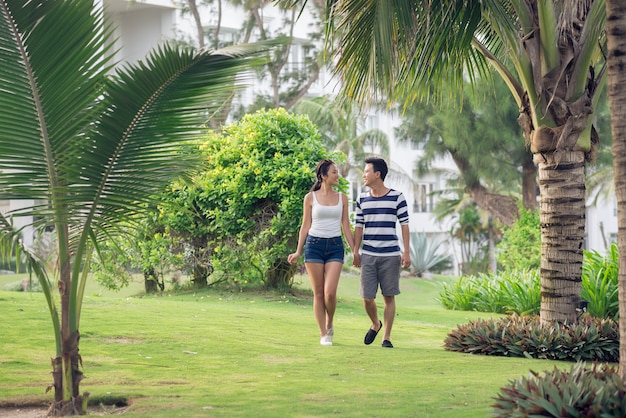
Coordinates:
[372,311]
[389,315]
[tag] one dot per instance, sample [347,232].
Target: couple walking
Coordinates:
[374,245]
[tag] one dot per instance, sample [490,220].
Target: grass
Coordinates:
[222,354]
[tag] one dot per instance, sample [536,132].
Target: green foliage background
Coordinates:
[248,202]
[520,247]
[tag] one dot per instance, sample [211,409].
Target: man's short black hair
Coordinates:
[379,165]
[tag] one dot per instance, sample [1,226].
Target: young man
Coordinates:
[381,258]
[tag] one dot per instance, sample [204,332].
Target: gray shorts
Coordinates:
[380,270]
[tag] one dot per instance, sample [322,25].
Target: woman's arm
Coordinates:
[345,223]
[304,228]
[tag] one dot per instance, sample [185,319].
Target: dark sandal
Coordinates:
[387,344]
[371,334]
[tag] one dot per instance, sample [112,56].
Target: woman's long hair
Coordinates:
[321,170]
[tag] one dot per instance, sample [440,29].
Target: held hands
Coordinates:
[356,260]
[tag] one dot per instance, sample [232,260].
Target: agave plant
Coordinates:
[425,256]
[87,145]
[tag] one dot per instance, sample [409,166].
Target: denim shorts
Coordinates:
[323,250]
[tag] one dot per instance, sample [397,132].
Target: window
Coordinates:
[423,197]
[301,54]
[226,36]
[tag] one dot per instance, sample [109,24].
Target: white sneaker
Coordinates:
[326,340]
[330,332]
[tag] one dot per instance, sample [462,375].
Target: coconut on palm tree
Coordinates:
[88,146]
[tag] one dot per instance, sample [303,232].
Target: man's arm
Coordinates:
[406,240]
[358,238]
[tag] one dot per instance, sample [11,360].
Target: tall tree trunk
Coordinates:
[562,216]
[280,275]
[66,368]
[218,26]
[503,208]
[151,280]
[616,36]
[196,18]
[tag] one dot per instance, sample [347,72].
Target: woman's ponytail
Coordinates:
[320,171]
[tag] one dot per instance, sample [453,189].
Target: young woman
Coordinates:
[325,216]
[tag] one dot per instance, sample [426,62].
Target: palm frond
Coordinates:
[51,97]
[397,49]
[89,144]
[154,107]
[369,44]
[442,49]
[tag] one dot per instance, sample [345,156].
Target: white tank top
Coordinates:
[326,220]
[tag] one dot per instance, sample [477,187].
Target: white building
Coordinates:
[601,224]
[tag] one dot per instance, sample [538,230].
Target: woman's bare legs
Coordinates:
[332,273]
[316,276]
[324,282]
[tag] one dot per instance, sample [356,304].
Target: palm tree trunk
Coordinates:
[616,27]
[66,368]
[562,215]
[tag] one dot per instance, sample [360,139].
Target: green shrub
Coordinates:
[489,294]
[584,391]
[592,339]
[600,282]
[11,265]
[505,292]
[460,295]
[522,291]
[519,291]
[247,203]
[520,247]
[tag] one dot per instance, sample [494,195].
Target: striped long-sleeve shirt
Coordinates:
[377,216]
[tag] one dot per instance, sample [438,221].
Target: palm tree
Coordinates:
[340,128]
[548,52]
[474,228]
[87,146]
[616,59]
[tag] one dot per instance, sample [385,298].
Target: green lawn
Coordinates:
[247,354]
